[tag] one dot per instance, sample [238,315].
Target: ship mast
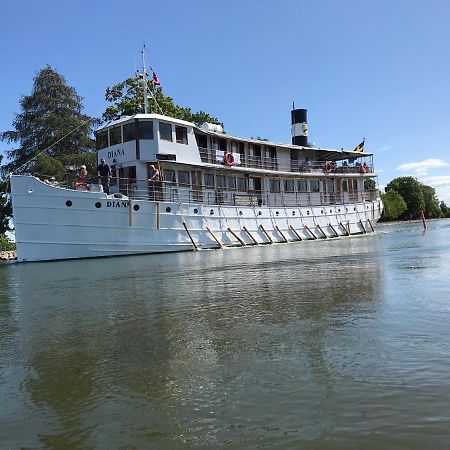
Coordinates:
[144,80]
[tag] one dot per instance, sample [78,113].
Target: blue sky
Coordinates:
[378,70]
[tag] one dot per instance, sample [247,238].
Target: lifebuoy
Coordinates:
[327,167]
[363,168]
[228,159]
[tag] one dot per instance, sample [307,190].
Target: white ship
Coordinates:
[216,191]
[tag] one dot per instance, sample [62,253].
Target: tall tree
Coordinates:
[52,111]
[445,210]
[127,98]
[431,208]
[410,189]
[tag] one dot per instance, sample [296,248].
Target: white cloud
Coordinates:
[421,168]
[383,149]
[442,185]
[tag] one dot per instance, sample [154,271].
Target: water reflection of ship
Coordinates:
[178,329]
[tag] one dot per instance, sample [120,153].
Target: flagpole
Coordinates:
[144,77]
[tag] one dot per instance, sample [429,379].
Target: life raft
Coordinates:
[228,159]
[327,168]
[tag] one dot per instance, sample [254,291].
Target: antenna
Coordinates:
[144,79]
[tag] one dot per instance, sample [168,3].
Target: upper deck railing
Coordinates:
[352,165]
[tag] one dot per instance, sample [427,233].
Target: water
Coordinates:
[317,345]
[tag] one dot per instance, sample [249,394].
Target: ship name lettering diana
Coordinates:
[114,153]
[122,204]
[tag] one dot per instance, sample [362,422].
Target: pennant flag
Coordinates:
[359,148]
[155,80]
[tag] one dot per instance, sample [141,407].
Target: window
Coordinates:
[241,184]
[355,185]
[220,181]
[146,130]
[209,180]
[101,139]
[165,131]
[294,155]
[115,135]
[288,185]
[169,175]
[231,182]
[181,135]
[129,132]
[314,184]
[274,185]
[330,186]
[183,178]
[302,186]
[344,186]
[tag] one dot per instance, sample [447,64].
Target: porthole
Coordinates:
[168,209]
[321,211]
[30,191]
[195,211]
[98,205]
[367,206]
[307,212]
[259,213]
[331,210]
[277,213]
[211,212]
[339,210]
[346,209]
[354,209]
[136,207]
[293,213]
[240,213]
[69,203]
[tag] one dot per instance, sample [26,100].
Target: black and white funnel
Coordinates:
[299,127]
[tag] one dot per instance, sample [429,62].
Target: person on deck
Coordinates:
[154,183]
[83,174]
[104,174]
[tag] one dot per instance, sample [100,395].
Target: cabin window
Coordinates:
[146,129]
[181,135]
[165,131]
[202,141]
[288,185]
[271,152]
[274,185]
[220,181]
[169,175]
[344,186]
[231,182]
[209,180]
[241,184]
[129,132]
[355,185]
[330,186]
[302,186]
[115,135]
[183,178]
[101,138]
[294,154]
[314,184]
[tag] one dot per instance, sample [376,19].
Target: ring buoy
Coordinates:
[363,168]
[327,167]
[228,159]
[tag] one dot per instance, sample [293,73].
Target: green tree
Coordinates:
[445,210]
[410,189]
[51,117]
[394,205]
[127,99]
[431,209]
[5,204]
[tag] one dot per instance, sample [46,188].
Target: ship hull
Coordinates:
[54,223]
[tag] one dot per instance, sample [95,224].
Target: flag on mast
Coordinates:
[360,148]
[155,80]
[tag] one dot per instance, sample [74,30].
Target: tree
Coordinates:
[52,111]
[128,99]
[394,205]
[410,190]
[431,209]
[5,205]
[445,210]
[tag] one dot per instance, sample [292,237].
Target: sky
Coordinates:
[379,70]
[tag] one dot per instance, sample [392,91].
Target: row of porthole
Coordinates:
[98,205]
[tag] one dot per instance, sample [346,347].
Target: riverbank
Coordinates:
[8,255]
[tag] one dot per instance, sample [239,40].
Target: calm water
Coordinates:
[342,344]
